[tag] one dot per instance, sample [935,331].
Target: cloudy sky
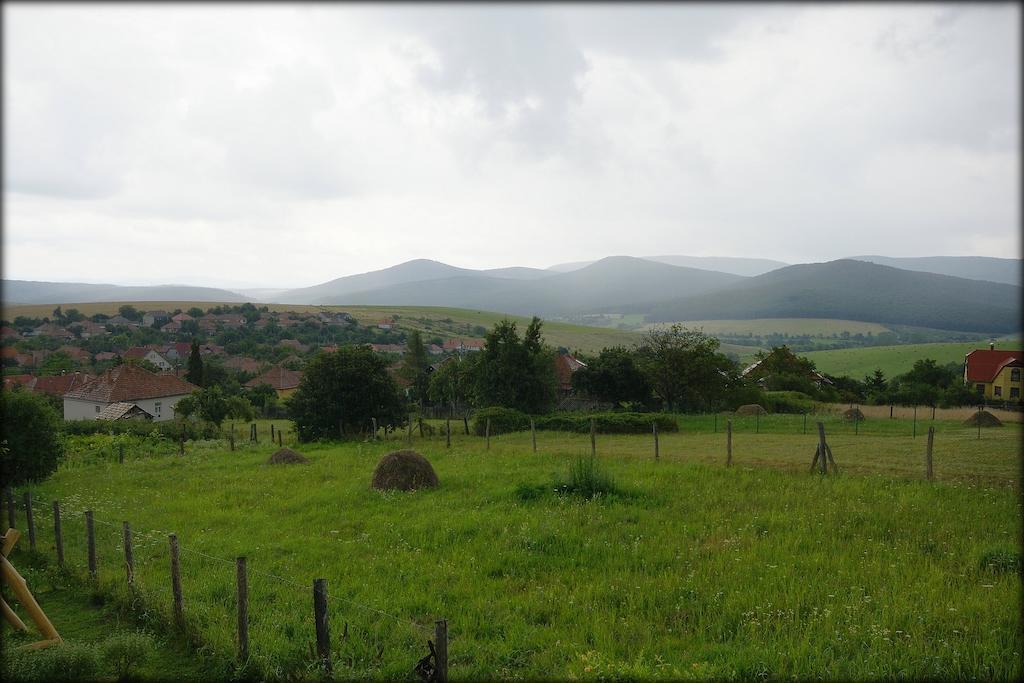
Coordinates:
[276,146]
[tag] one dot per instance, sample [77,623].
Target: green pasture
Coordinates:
[692,570]
[813,327]
[894,360]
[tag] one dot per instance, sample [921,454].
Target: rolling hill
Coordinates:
[856,290]
[32,292]
[1008,271]
[747,267]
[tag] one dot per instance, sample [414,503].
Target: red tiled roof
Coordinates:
[984,364]
[58,385]
[10,381]
[277,377]
[131,383]
[565,365]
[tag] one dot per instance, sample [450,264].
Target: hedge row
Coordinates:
[170,429]
[505,420]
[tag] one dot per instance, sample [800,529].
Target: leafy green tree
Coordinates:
[452,383]
[196,312]
[58,316]
[613,376]
[685,369]
[194,371]
[340,392]
[129,312]
[414,366]
[875,382]
[55,363]
[211,405]
[516,373]
[32,446]
[73,315]
[239,408]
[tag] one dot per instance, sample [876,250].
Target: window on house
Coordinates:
[1015,375]
[97,408]
[998,391]
[1014,392]
[980,388]
[156,409]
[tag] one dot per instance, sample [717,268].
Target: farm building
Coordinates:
[123,411]
[155,394]
[565,365]
[284,381]
[994,374]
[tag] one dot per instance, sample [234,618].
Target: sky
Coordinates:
[286,145]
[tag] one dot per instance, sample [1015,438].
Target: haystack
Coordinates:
[983,418]
[751,409]
[851,414]
[404,470]
[286,456]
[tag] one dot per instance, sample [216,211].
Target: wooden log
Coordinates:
[441,650]
[242,582]
[11,617]
[20,589]
[58,534]
[272,436]
[179,610]
[90,535]
[129,557]
[928,454]
[654,428]
[728,443]
[420,421]
[323,637]
[30,521]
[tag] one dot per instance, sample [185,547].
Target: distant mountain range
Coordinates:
[926,292]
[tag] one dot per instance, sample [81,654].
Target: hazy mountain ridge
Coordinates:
[36,292]
[1003,270]
[747,267]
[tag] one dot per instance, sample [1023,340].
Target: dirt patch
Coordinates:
[404,470]
[286,456]
[751,409]
[983,418]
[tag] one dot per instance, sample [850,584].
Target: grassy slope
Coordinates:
[815,327]
[701,571]
[893,360]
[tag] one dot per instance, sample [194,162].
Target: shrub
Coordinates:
[169,429]
[787,402]
[1001,561]
[607,423]
[503,421]
[65,661]
[125,652]
[587,478]
[32,446]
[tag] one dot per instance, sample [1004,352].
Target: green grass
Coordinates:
[814,327]
[691,569]
[894,360]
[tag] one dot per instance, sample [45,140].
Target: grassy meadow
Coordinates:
[690,570]
[895,360]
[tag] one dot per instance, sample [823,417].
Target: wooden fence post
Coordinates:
[323,637]
[805,422]
[120,454]
[654,427]
[30,521]
[728,443]
[280,438]
[11,516]
[915,422]
[58,534]
[533,434]
[129,557]
[928,454]
[90,536]
[593,437]
[448,432]
[441,650]
[487,433]
[408,434]
[420,421]
[231,438]
[465,423]
[243,609]
[179,612]
[272,437]
[374,428]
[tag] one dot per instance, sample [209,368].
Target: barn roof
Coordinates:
[984,364]
[130,383]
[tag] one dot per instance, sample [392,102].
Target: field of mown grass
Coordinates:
[693,570]
[814,327]
[895,360]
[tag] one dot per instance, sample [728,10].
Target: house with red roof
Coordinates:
[460,345]
[284,381]
[994,374]
[58,385]
[155,394]
[565,366]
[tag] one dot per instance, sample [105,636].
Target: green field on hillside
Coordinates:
[813,327]
[690,570]
[894,360]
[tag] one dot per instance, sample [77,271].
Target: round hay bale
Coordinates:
[851,414]
[286,456]
[983,418]
[751,409]
[404,470]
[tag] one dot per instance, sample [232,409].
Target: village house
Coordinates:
[155,394]
[461,345]
[172,327]
[104,356]
[120,320]
[386,324]
[58,385]
[51,330]
[89,329]
[148,354]
[284,381]
[123,411]
[565,365]
[9,333]
[181,317]
[388,348]
[151,317]
[243,364]
[994,374]
[75,353]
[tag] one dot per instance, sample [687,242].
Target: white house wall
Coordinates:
[78,409]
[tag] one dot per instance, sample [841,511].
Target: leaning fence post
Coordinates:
[728,443]
[654,427]
[243,609]
[465,423]
[441,650]
[533,434]
[58,534]
[30,521]
[593,437]
[90,536]
[928,453]
[11,517]
[129,557]
[323,638]
[179,613]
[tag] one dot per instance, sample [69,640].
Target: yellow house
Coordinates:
[995,375]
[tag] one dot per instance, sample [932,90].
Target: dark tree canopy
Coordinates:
[516,373]
[194,372]
[613,376]
[341,392]
[685,369]
[32,447]
[414,367]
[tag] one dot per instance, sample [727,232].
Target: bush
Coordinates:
[170,429]
[125,652]
[787,402]
[606,423]
[588,479]
[503,421]
[32,445]
[65,661]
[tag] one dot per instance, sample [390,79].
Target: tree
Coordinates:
[58,316]
[32,447]
[452,383]
[211,405]
[129,312]
[875,382]
[239,408]
[613,376]
[340,392]
[685,369]
[515,373]
[196,312]
[56,363]
[414,366]
[194,372]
